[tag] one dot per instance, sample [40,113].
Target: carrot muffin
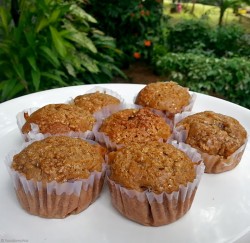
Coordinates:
[219,138]
[153,183]
[57,119]
[134,125]
[168,97]
[57,176]
[93,102]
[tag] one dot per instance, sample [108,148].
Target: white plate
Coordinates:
[220,211]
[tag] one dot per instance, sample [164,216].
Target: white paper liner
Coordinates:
[35,134]
[214,163]
[101,90]
[182,198]
[111,109]
[38,192]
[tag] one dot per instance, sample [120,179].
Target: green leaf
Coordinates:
[36,77]
[70,69]
[32,62]
[30,37]
[81,14]
[8,86]
[82,39]
[58,42]
[4,19]
[41,24]
[17,88]
[50,56]
[54,77]
[19,70]
[55,15]
[89,63]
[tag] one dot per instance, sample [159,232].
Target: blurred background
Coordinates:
[201,44]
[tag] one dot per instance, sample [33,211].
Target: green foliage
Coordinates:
[188,34]
[135,24]
[225,40]
[226,77]
[197,36]
[54,44]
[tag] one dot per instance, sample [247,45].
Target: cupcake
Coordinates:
[55,119]
[168,97]
[97,98]
[154,183]
[57,176]
[128,125]
[220,139]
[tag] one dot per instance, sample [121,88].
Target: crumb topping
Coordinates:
[164,96]
[95,101]
[214,133]
[135,125]
[60,118]
[153,166]
[59,158]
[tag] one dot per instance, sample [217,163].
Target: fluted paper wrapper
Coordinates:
[149,208]
[35,133]
[54,199]
[109,110]
[214,163]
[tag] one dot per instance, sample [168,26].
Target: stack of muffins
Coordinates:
[152,153]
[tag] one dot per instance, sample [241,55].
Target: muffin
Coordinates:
[57,176]
[131,125]
[168,97]
[55,119]
[220,139]
[97,98]
[154,183]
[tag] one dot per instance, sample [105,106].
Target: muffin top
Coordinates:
[59,119]
[59,158]
[135,125]
[153,166]
[164,96]
[214,133]
[95,101]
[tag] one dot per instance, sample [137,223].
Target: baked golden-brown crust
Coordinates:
[95,101]
[165,96]
[59,119]
[135,125]
[214,133]
[59,158]
[153,166]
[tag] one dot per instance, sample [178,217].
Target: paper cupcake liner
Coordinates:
[101,90]
[109,110]
[35,134]
[54,199]
[149,208]
[214,163]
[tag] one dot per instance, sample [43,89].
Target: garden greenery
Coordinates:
[54,43]
[135,24]
[228,78]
